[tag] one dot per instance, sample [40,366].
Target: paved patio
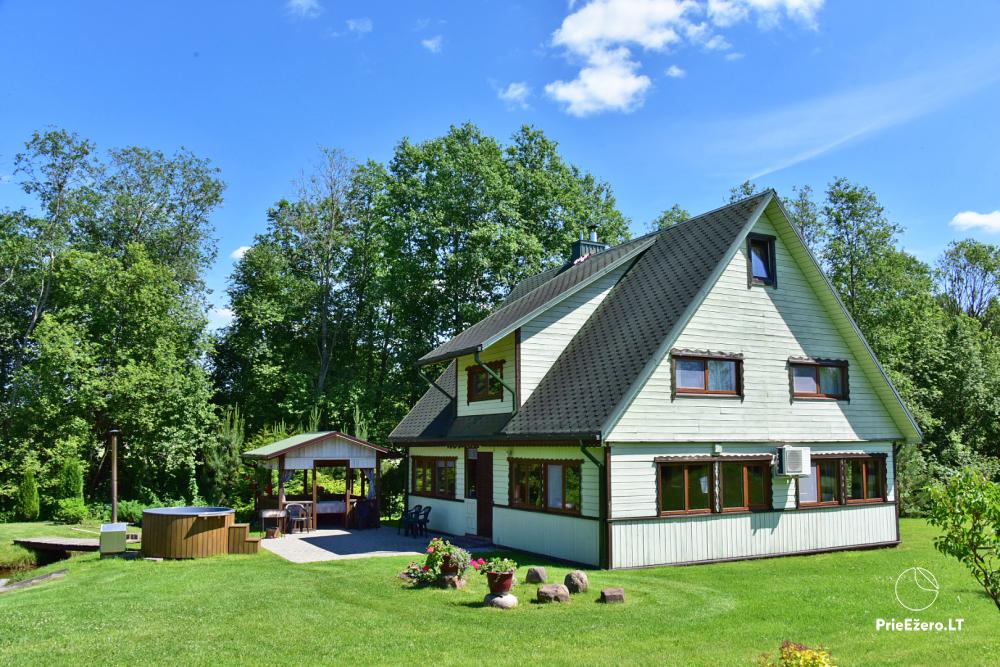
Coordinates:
[339,544]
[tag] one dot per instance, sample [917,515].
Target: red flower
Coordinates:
[426,567]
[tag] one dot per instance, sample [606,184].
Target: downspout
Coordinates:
[423,376]
[602,470]
[489,371]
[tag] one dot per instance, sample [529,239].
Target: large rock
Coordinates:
[536,575]
[451,581]
[613,595]
[576,581]
[505,601]
[553,593]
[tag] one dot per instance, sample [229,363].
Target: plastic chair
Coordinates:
[408,522]
[297,514]
[423,519]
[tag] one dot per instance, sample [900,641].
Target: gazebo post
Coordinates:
[378,490]
[315,514]
[348,483]
[281,482]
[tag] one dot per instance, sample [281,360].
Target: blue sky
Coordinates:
[668,100]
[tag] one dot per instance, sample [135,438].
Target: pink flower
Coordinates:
[430,550]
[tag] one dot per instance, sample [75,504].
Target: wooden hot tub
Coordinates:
[186,532]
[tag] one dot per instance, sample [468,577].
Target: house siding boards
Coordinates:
[750,535]
[544,338]
[767,325]
[504,349]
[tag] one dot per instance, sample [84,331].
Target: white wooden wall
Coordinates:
[633,472]
[502,349]
[767,325]
[715,536]
[331,448]
[447,516]
[569,538]
[545,337]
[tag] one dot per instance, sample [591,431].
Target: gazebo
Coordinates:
[328,449]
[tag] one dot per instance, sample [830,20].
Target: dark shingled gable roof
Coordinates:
[599,366]
[472,338]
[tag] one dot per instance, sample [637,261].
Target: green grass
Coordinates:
[15,558]
[263,610]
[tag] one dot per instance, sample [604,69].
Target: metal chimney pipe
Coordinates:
[114,474]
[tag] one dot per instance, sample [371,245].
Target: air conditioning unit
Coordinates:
[793,461]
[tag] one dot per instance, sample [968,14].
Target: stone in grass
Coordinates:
[451,581]
[576,582]
[536,575]
[553,593]
[613,595]
[505,601]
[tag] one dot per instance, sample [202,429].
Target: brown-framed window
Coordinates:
[481,385]
[822,485]
[550,486]
[471,459]
[745,485]
[762,266]
[865,479]
[719,376]
[819,379]
[434,476]
[686,488]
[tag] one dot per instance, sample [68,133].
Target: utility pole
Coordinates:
[114,474]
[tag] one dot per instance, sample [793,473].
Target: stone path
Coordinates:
[339,544]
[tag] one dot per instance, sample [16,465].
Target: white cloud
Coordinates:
[601,34]
[306,9]
[675,72]
[515,94]
[988,222]
[360,26]
[219,318]
[734,56]
[432,44]
[607,83]
[239,252]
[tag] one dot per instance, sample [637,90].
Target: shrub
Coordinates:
[130,511]
[27,497]
[99,512]
[71,510]
[70,479]
[967,509]
[797,655]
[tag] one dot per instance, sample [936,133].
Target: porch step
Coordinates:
[240,541]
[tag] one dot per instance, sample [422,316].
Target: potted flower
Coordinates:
[444,559]
[499,573]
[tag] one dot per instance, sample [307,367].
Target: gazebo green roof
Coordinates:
[276,449]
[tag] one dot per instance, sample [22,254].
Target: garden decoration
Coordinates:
[499,573]
[445,565]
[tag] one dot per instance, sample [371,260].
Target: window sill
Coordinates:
[453,499]
[799,397]
[667,515]
[543,510]
[706,394]
[866,501]
[809,506]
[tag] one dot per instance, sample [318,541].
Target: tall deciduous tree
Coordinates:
[970,276]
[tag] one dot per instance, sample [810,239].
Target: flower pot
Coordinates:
[447,567]
[500,582]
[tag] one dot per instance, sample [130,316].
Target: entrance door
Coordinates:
[484,494]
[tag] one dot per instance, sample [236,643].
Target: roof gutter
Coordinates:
[492,374]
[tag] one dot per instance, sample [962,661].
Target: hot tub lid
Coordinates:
[190,511]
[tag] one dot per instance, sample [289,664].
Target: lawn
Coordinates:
[263,610]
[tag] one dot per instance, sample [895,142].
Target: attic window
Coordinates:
[482,386]
[761,268]
[819,378]
[707,373]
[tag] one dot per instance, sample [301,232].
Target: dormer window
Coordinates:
[483,386]
[761,268]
